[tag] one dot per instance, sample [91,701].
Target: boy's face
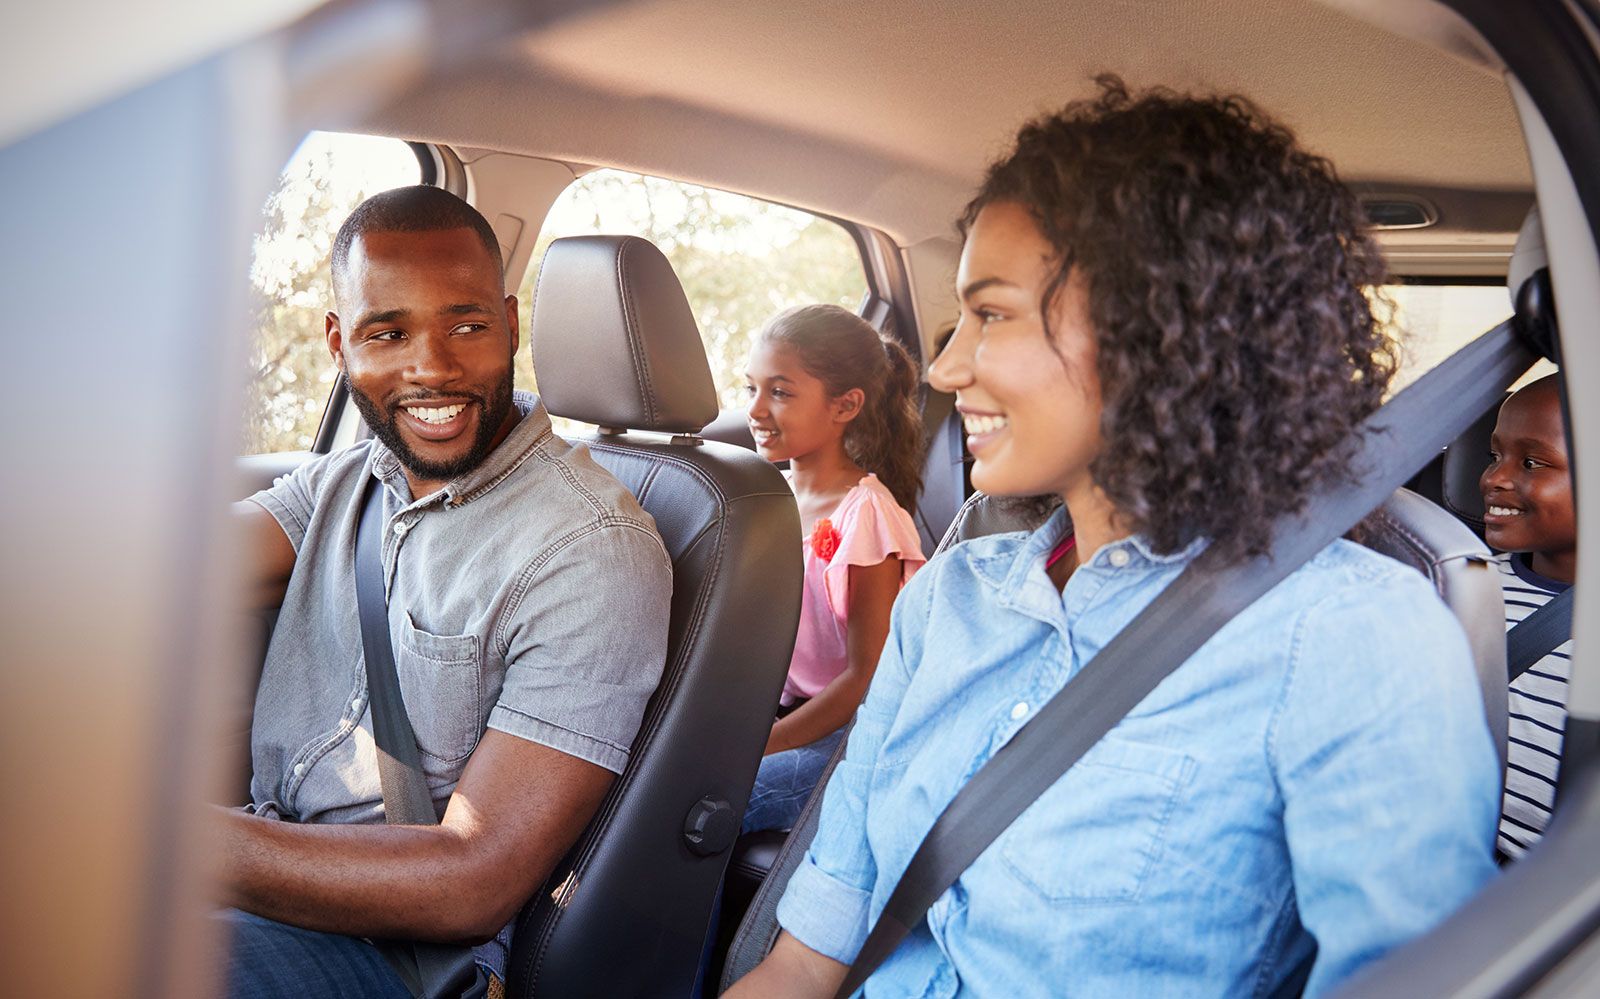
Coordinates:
[1527,490]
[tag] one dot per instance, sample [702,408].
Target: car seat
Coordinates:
[626,911]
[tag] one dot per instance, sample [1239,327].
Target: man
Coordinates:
[528,602]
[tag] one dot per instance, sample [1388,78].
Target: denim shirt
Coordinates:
[1318,778]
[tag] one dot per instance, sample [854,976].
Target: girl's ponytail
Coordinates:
[888,435]
[843,351]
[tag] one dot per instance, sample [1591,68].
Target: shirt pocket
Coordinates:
[1096,834]
[440,682]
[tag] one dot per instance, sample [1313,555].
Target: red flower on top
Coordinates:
[824,539]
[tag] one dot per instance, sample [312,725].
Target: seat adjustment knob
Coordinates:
[710,827]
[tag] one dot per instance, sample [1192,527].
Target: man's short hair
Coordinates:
[419,208]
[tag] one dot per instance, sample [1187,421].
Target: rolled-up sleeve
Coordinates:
[292,498]
[829,900]
[586,640]
[1389,776]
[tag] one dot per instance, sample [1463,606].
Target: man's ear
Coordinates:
[513,324]
[847,405]
[335,338]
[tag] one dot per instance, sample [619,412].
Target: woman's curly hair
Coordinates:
[1228,274]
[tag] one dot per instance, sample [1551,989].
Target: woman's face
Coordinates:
[1032,413]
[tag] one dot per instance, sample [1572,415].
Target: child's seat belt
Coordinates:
[1538,634]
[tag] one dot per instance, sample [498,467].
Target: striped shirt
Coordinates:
[1538,714]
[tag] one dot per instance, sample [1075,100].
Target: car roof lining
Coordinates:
[848,114]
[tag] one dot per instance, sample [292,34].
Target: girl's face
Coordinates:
[1032,413]
[791,414]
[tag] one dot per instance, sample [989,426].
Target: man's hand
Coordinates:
[268,554]
[517,809]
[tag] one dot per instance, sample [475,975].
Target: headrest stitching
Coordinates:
[641,369]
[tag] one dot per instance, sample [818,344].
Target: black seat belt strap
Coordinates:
[1400,437]
[430,971]
[1538,634]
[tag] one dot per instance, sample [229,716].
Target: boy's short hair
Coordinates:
[418,208]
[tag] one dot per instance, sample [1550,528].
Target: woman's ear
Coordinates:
[847,405]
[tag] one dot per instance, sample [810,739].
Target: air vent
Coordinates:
[1386,212]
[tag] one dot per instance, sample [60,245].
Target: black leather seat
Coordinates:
[1407,528]
[626,912]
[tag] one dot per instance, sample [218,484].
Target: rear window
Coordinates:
[1433,321]
[740,259]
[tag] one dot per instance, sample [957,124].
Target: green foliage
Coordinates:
[740,261]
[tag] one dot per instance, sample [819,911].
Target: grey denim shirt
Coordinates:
[530,596]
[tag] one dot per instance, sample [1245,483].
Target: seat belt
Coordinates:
[429,970]
[1399,438]
[1538,634]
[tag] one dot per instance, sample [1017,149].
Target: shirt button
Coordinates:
[1118,557]
[299,769]
[355,706]
[1019,710]
[401,528]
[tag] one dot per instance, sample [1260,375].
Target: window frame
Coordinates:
[433,162]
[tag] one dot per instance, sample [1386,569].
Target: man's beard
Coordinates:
[492,410]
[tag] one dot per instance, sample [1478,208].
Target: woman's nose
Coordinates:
[952,369]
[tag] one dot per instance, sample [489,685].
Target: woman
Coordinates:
[1163,322]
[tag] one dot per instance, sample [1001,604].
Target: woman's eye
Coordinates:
[1532,463]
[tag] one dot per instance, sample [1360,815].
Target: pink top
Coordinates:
[871,527]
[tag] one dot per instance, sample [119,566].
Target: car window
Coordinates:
[1435,320]
[290,373]
[740,259]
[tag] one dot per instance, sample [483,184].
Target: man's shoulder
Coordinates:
[571,488]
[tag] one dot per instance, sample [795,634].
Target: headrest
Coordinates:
[1528,257]
[614,342]
[1464,462]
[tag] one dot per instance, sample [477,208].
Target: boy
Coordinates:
[1528,516]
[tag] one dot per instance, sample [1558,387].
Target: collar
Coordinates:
[1019,574]
[519,445]
[1522,565]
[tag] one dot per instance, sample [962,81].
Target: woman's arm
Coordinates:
[872,592]
[1389,778]
[791,971]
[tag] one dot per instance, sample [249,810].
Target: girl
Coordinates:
[837,401]
[1163,322]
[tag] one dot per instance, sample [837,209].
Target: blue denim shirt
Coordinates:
[1319,776]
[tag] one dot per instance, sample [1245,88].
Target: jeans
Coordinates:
[784,782]
[272,960]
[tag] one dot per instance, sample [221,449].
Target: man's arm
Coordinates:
[268,555]
[517,809]
[791,971]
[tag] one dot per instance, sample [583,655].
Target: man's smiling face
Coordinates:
[425,336]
